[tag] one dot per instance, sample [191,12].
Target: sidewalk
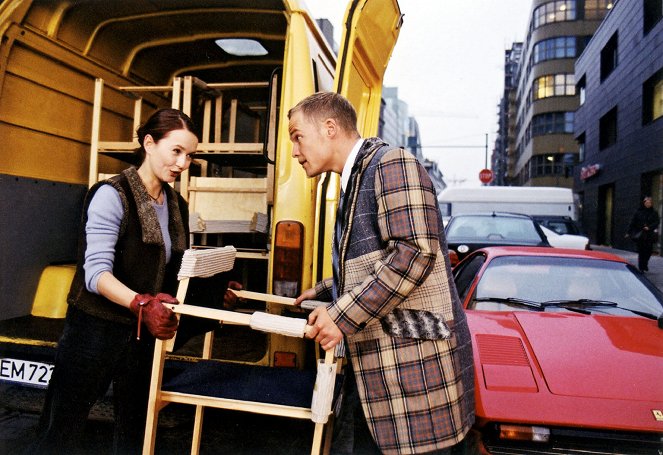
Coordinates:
[655,273]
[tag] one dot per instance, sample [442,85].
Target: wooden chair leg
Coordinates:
[329,432]
[317,438]
[153,403]
[197,430]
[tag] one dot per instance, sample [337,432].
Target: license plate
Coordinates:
[34,374]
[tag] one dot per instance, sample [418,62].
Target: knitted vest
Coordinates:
[140,256]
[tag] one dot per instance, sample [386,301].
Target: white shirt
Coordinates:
[347,168]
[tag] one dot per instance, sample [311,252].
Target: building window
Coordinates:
[597,9]
[547,165]
[653,12]
[553,48]
[552,123]
[581,147]
[555,11]
[608,129]
[652,98]
[554,85]
[581,89]
[609,57]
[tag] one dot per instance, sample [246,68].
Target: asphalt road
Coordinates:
[224,432]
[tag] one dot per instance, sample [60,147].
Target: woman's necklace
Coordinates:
[155,199]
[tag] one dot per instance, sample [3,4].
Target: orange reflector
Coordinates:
[289,234]
[288,254]
[524,433]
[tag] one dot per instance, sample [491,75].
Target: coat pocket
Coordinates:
[417,324]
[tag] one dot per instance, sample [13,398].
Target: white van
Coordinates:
[533,201]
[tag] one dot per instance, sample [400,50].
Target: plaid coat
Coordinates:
[398,307]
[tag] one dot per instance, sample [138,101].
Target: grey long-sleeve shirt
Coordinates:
[105,214]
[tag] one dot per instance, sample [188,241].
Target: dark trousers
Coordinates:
[93,353]
[351,433]
[645,249]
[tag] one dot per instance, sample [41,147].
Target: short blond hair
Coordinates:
[324,105]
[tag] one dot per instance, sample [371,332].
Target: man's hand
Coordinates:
[159,320]
[230,300]
[323,329]
[308,294]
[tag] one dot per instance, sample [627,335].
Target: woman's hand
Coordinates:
[160,321]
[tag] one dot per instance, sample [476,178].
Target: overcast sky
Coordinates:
[448,66]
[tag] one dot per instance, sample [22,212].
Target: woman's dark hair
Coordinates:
[158,126]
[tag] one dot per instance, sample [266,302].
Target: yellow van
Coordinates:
[76,78]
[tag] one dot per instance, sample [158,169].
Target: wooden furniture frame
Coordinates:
[320,411]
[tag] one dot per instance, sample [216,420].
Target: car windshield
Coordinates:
[490,227]
[539,283]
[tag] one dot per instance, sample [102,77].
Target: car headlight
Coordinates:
[463,249]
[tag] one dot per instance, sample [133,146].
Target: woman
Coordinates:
[134,231]
[643,230]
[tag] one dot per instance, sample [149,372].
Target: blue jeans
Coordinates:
[91,354]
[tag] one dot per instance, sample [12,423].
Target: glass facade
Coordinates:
[554,85]
[555,11]
[543,165]
[552,123]
[558,47]
[597,9]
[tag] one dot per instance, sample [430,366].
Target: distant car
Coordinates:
[566,345]
[560,224]
[575,242]
[468,232]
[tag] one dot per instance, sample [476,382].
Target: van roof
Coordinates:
[507,194]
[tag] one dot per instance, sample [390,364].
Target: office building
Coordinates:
[502,159]
[545,150]
[619,123]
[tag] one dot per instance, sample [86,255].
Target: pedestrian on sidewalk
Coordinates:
[643,230]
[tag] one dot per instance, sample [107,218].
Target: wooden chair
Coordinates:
[283,392]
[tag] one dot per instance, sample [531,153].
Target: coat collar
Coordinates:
[151,230]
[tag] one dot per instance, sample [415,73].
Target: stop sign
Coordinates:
[486,175]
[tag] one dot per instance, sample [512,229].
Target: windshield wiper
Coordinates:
[583,302]
[597,303]
[513,301]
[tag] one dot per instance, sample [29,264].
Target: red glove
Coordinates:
[230,300]
[159,320]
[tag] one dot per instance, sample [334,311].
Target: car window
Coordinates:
[493,228]
[464,274]
[562,227]
[541,279]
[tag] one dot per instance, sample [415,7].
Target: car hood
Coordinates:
[565,367]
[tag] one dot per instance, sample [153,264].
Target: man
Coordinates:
[392,296]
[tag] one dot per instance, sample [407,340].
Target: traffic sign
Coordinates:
[486,176]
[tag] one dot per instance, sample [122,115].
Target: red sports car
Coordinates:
[568,352]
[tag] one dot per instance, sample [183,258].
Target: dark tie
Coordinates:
[338,231]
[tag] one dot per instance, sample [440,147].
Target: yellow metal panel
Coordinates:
[366,47]
[293,185]
[51,297]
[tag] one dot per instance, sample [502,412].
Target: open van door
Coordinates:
[371,28]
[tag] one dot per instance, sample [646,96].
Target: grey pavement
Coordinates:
[655,273]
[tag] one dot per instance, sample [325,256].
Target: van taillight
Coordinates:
[288,254]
